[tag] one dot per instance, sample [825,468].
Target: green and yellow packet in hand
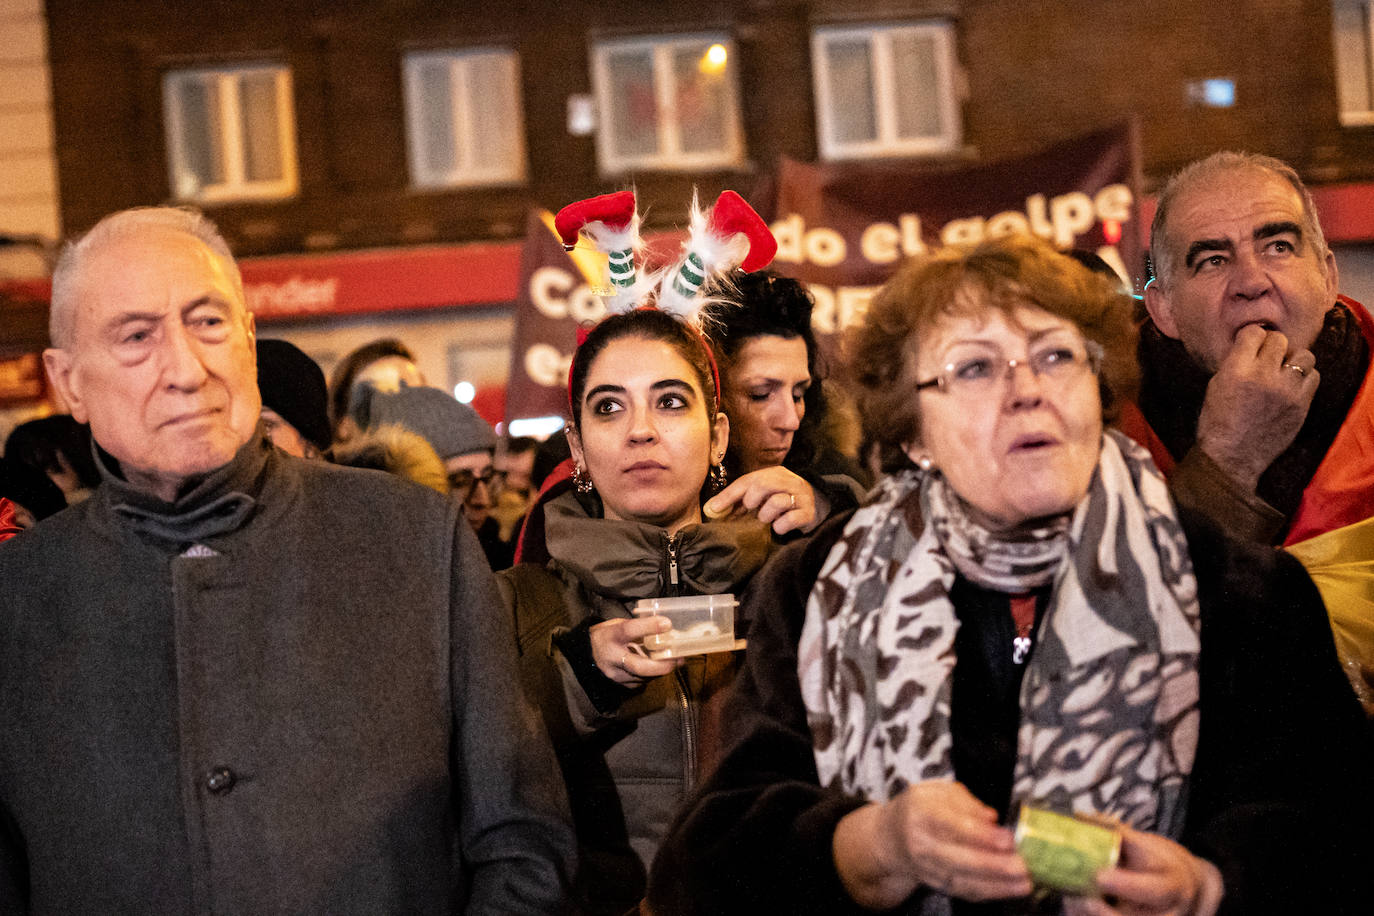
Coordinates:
[1064,852]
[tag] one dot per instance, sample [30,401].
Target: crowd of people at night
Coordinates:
[1045,600]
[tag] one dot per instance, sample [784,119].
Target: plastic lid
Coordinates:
[685,603]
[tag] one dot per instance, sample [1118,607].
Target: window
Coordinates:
[1354,41]
[231,134]
[464,120]
[667,104]
[886,90]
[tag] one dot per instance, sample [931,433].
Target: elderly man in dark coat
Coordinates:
[233,681]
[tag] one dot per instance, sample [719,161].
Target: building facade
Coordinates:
[323,129]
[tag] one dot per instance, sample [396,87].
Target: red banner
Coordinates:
[554,298]
[843,229]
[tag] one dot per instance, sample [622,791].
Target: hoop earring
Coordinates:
[718,477]
[581,479]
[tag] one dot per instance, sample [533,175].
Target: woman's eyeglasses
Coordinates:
[982,373]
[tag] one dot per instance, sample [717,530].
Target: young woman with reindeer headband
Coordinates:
[647,438]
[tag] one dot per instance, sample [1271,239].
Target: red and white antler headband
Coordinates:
[713,248]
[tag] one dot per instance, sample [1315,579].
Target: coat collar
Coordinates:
[629,560]
[208,505]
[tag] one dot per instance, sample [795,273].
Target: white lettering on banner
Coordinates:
[819,246]
[879,243]
[294,296]
[837,309]
[546,366]
[1061,219]
[553,294]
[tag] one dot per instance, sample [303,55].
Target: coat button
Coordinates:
[220,780]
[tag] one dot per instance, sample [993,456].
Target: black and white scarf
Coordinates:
[1109,716]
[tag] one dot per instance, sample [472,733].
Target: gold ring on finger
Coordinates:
[1302,373]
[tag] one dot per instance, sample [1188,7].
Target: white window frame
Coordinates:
[669,157]
[235,186]
[887,143]
[1355,117]
[466,134]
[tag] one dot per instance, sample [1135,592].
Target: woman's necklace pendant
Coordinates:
[1020,648]
[1023,618]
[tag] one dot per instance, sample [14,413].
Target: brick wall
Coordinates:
[1036,72]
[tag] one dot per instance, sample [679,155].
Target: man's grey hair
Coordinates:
[66,274]
[1214,166]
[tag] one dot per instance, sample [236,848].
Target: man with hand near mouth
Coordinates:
[1256,377]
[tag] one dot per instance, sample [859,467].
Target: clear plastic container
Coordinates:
[701,624]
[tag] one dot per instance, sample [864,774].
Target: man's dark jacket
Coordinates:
[291,691]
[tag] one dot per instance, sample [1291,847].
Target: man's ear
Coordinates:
[65,381]
[1333,278]
[720,437]
[1161,310]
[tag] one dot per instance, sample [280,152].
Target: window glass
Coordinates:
[634,103]
[464,120]
[851,91]
[886,90]
[667,103]
[915,72]
[230,133]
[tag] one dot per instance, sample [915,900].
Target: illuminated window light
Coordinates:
[713,61]
[538,427]
[1212,93]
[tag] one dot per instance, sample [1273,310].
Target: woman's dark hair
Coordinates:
[644,324]
[38,443]
[341,378]
[759,304]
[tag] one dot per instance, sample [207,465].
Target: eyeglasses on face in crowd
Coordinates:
[464,481]
[982,371]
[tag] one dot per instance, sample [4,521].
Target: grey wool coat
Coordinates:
[291,691]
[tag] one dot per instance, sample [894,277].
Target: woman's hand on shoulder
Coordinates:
[776,495]
[1155,877]
[617,647]
[934,834]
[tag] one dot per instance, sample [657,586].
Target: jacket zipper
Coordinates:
[672,564]
[684,690]
[689,732]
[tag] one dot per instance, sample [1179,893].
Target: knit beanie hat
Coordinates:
[453,428]
[292,384]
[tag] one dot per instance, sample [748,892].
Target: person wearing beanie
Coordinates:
[396,450]
[295,417]
[463,441]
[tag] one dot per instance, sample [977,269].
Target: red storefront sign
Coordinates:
[382,280]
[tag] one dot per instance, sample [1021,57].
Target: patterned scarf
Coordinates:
[1109,699]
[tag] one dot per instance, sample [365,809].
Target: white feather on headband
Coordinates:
[705,255]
